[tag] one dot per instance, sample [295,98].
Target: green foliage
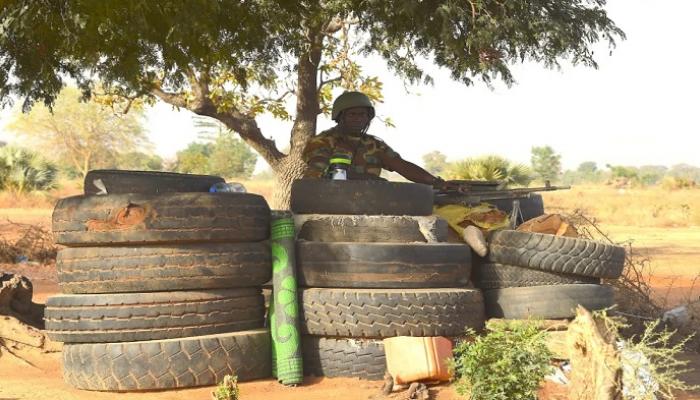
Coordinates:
[546,164]
[230,157]
[140,161]
[194,159]
[227,389]
[23,171]
[220,154]
[490,168]
[508,363]
[235,60]
[82,135]
[435,162]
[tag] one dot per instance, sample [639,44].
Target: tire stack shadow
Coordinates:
[373,263]
[160,290]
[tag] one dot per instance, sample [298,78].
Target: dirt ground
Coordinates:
[675,266]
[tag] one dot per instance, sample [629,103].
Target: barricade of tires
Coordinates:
[373,263]
[161,291]
[534,275]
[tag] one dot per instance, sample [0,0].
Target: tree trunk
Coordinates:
[289,169]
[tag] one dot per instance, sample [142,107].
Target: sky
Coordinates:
[638,108]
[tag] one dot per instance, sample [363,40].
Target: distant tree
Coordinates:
[588,172]
[685,171]
[22,170]
[194,159]
[620,171]
[231,157]
[652,174]
[435,162]
[228,156]
[490,168]
[546,164]
[140,161]
[81,135]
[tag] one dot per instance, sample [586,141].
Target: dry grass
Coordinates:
[651,207]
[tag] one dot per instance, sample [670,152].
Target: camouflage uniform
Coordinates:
[366,152]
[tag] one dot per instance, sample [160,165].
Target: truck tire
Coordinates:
[344,357]
[560,254]
[163,267]
[127,317]
[496,276]
[361,197]
[168,364]
[383,265]
[150,182]
[160,218]
[380,313]
[546,302]
[371,228]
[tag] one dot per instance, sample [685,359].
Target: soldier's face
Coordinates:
[354,120]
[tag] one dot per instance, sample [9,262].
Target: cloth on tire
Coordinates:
[551,224]
[484,216]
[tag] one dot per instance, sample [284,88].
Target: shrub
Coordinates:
[227,389]
[23,171]
[508,363]
[490,168]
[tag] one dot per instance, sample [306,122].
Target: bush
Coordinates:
[490,168]
[227,389]
[23,171]
[506,364]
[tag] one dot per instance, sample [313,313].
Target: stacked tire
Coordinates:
[533,275]
[161,291]
[373,263]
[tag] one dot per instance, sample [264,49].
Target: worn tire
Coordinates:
[496,276]
[383,265]
[560,254]
[160,218]
[371,228]
[379,313]
[126,317]
[163,267]
[168,364]
[531,207]
[361,197]
[546,302]
[344,357]
[118,181]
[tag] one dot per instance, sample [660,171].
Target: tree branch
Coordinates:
[236,121]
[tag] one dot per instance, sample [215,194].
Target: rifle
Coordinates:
[470,193]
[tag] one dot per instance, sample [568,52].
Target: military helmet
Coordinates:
[351,100]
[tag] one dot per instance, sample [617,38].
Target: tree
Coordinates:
[232,60]
[194,159]
[140,161]
[435,162]
[588,172]
[685,171]
[22,170]
[81,135]
[490,168]
[228,156]
[546,164]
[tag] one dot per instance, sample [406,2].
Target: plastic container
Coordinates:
[411,359]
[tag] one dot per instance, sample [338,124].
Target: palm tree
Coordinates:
[23,171]
[490,168]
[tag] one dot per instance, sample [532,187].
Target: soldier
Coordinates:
[353,112]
